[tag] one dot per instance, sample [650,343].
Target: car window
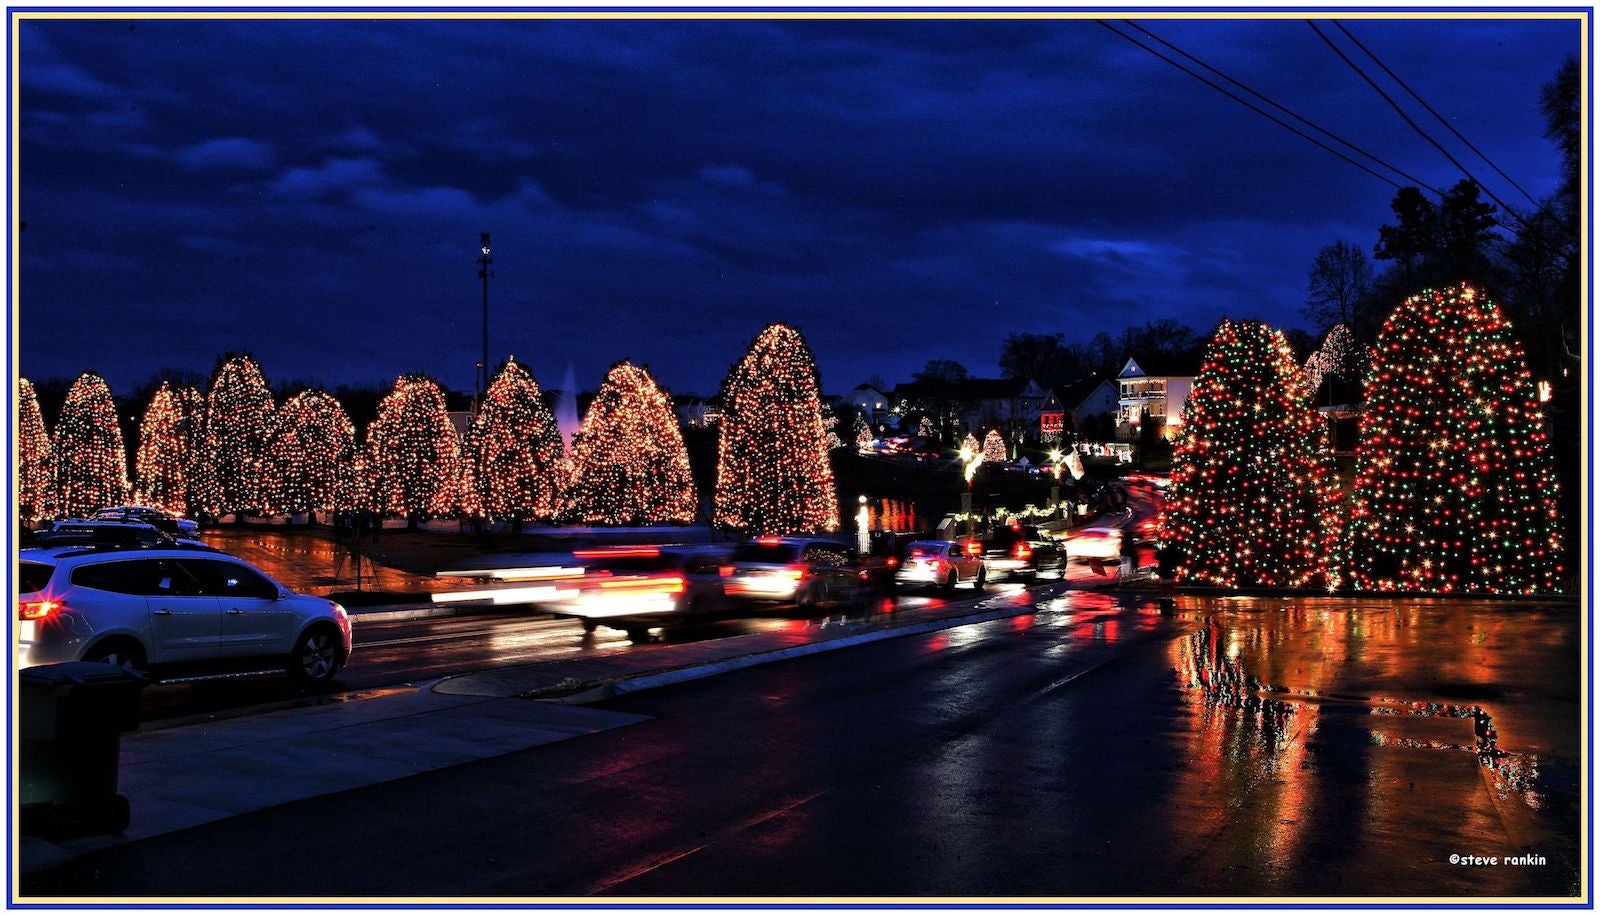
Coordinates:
[124,577]
[231,580]
[172,579]
[33,576]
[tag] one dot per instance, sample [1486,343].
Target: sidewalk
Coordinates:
[185,775]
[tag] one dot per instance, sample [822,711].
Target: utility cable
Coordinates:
[1441,118]
[1265,114]
[1314,126]
[1407,118]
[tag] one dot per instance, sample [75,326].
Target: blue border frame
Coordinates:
[600,903]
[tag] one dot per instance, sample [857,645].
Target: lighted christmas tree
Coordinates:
[863,434]
[35,489]
[1339,355]
[629,464]
[414,454]
[199,475]
[238,421]
[161,476]
[994,446]
[773,474]
[1454,489]
[514,463]
[91,467]
[925,428]
[311,456]
[1248,504]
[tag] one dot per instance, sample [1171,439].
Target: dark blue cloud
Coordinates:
[313,190]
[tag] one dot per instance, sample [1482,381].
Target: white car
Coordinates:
[941,563]
[188,526]
[1094,543]
[172,611]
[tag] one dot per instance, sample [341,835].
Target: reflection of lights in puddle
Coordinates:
[1222,681]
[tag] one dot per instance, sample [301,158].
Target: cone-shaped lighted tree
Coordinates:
[161,476]
[514,463]
[1454,489]
[1339,355]
[35,490]
[238,422]
[1249,500]
[311,456]
[773,474]
[994,446]
[863,434]
[414,454]
[200,476]
[91,470]
[629,464]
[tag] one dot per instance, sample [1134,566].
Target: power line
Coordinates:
[1306,121]
[1441,118]
[1407,118]
[1265,114]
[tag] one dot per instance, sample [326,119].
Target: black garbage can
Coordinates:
[73,716]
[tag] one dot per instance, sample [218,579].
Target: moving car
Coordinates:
[636,588]
[944,564]
[1095,543]
[1022,552]
[172,611]
[805,570]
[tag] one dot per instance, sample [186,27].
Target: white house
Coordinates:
[1158,392]
[869,402]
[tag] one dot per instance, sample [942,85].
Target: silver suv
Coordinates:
[172,611]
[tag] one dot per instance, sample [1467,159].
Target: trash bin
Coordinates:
[73,716]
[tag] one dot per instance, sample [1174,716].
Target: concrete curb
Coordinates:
[657,679]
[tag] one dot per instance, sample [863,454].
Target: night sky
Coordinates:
[313,191]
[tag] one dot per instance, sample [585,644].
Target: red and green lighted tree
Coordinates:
[35,489]
[414,454]
[629,464]
[91,466]
[994,446]
[311,456]
[1454,487]
[1249,502]
[238,421]
[161,476]
[773,474]
[515,463]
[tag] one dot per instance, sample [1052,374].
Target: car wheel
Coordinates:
[315,659]
[950,583]
[117,652]
[589,626]
[638,635]
[977,584]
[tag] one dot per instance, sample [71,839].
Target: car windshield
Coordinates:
[757,552]
[33,576]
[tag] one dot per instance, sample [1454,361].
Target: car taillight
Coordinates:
[974,549]
[935,564]
[1022,551]
[725,571]
[795,572]
[893,563]
[37,610]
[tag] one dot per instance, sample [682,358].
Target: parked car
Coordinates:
[1022,552]
[805,570]
[127,533]
[158,517]
[634,589]
[172,611]
[943,564]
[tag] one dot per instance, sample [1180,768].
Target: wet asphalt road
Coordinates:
[1088,746]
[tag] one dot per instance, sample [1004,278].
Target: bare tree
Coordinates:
[1339,288]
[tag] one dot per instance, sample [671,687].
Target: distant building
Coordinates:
[1089,398]
[695,412]
[1154,388]
[868,401]
[1016,407]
